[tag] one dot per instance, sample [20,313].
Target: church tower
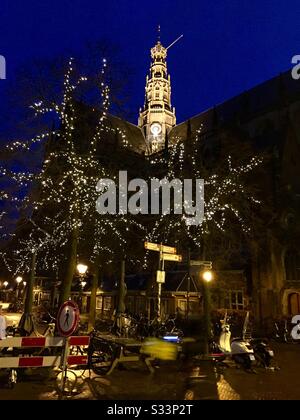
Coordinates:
[157,117]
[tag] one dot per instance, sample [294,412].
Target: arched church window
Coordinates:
[294,304]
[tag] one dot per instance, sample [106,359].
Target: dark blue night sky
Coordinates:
[228,47]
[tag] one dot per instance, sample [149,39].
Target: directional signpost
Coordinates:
[160,248]
[166,253]
[207,265]
[197,265]
[170,257]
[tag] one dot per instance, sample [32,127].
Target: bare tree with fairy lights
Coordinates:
[231,199]
[62,194]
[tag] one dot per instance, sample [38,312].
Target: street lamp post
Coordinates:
[207,277]
[82,269]
[5,284]
[83,284]
[24,288]
[19,280]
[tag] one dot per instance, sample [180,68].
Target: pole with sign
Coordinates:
[169,257]
[160,248]
[67,323]
[166,253]
[160,266]
[160,277]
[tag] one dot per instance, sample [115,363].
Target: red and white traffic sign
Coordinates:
[67,318]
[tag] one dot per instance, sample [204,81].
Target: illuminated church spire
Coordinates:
[157,117]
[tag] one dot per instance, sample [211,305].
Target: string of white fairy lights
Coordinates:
[224,193]
[67,182]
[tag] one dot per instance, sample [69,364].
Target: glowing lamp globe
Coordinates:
[82,269]
[207,276]
[19,279]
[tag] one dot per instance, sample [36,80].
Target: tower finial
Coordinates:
[158,33]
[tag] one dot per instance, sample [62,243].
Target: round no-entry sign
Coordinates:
[68,318]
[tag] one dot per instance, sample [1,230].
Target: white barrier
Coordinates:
[42,361]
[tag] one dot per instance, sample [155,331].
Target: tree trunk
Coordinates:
[94,288]
[26,322]
[65,291]
[30,286]
[122,290]
[207,306]
[207,315]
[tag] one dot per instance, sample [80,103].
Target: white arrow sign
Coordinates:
[169,257]
[200,263]
[160,248]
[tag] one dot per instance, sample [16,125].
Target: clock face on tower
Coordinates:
[155,129]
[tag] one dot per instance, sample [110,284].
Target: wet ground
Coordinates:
[267,385]
[170,381]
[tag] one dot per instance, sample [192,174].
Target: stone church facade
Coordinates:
[267,117]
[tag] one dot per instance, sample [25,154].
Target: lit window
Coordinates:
[234,299]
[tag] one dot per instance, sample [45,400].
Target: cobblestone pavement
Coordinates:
[267,385]
[170,382]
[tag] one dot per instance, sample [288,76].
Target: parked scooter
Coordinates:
[239,349]
[263,353]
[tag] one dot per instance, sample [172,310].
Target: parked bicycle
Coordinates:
[124,325]
[157,328]
[282,332]
[101,354]
[49,325]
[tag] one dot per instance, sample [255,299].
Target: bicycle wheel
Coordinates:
[66,383]
[100,358]
[170,326]
[12,378]
[161,331]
